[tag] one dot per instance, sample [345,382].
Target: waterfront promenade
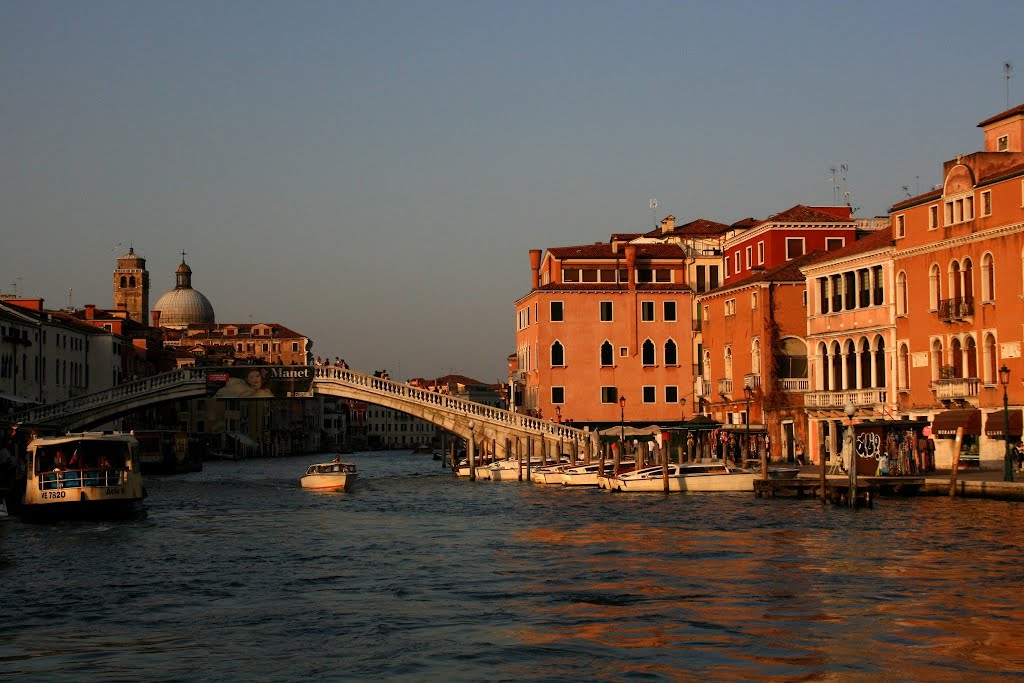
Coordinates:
[969,483]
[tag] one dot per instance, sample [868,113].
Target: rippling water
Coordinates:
[237,573]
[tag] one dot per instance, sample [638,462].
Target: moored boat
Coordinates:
[715,476]
[82,476]
[336,475]
[585,475]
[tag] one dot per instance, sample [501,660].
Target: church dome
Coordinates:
[184,306]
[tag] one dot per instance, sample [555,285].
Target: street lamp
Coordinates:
[748,392]
[1004,379]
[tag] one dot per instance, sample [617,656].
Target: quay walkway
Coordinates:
[969,484]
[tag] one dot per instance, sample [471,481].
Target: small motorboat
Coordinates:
[707,476]
[330,475]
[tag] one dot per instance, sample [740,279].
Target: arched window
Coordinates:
[671,357]
[607,354]
[904,367]
[707,365]
[124,281]
[956,358]
[131,281]
[647,352]
[970,358]
[557,354]
[823,379]
[989,359]
[879,362]
[755,357]
[988,278]
[728,362]
[865,365]
[954,281]
[850,359]
[901,293]
[967,276]
[837,367]
[934,287]
[791,358]
[936,359]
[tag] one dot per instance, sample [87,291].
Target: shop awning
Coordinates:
[995,424]
[946,423]
[698,423]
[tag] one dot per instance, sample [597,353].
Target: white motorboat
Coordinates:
[339,476]
[508,470]
[585,475]
[703,476]
[83,475]
[550,474]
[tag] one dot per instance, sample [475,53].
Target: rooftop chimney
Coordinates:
[535,267]
[668,224]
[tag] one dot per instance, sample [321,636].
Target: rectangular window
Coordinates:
[949,213]
[749,253]
[623,351]
[736,262]
[794,247]
[590,275]
[671,394]
[669,311]
[933,219]
[822,295]
[730,307]
[663,275]
[1003,143]
[608,275]
[647,311]
[558,394]
[570,275]
[609,395]
[650,394]
[986,203]
[760,253]
[644,275]
[606,311]
[556,311]
[701,284]
[712,277]
[833,243]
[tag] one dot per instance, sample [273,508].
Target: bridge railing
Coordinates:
[517,421]
[54,412]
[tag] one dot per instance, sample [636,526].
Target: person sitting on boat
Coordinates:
[337,458]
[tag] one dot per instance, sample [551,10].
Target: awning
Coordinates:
[946,423]
[995,424]
[698,423]
[754,428]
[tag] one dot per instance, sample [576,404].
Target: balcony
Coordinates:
[955,388]
[752,380]
[725,387]
[702,387]
[698,325]
[837,400]
[795,383]
[956,309]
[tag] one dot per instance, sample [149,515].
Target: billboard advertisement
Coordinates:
[259,381]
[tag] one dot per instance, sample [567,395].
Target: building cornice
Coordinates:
[959,241]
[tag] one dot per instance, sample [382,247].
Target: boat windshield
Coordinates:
[82,455]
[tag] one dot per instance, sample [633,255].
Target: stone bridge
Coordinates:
[492,431]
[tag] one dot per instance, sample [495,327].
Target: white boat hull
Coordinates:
[717,483]
[342,481]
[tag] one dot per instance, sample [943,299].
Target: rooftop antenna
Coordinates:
[906,190]
[835,185]
[1007,75]
[654,207]
[843,168]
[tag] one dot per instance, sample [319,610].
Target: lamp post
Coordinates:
[558,415]
[748,393]
[848,445]
[1004,379]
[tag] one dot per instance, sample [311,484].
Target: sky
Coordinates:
[374,174]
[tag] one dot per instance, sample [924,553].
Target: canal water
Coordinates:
[239,574]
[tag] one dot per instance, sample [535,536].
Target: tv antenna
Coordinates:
[654,209]
[1007,75]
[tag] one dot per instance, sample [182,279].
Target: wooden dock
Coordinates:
[837,489]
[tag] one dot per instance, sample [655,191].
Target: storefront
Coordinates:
[892,448]
[944,428]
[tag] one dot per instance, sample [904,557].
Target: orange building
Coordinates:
[605,322]
[958,261]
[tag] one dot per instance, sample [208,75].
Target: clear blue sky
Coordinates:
[373,174]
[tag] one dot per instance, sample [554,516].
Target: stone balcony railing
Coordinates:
[839,399]
[955,388]
[795,383]
[725,387]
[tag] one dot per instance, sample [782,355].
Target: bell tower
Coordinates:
[131,287]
